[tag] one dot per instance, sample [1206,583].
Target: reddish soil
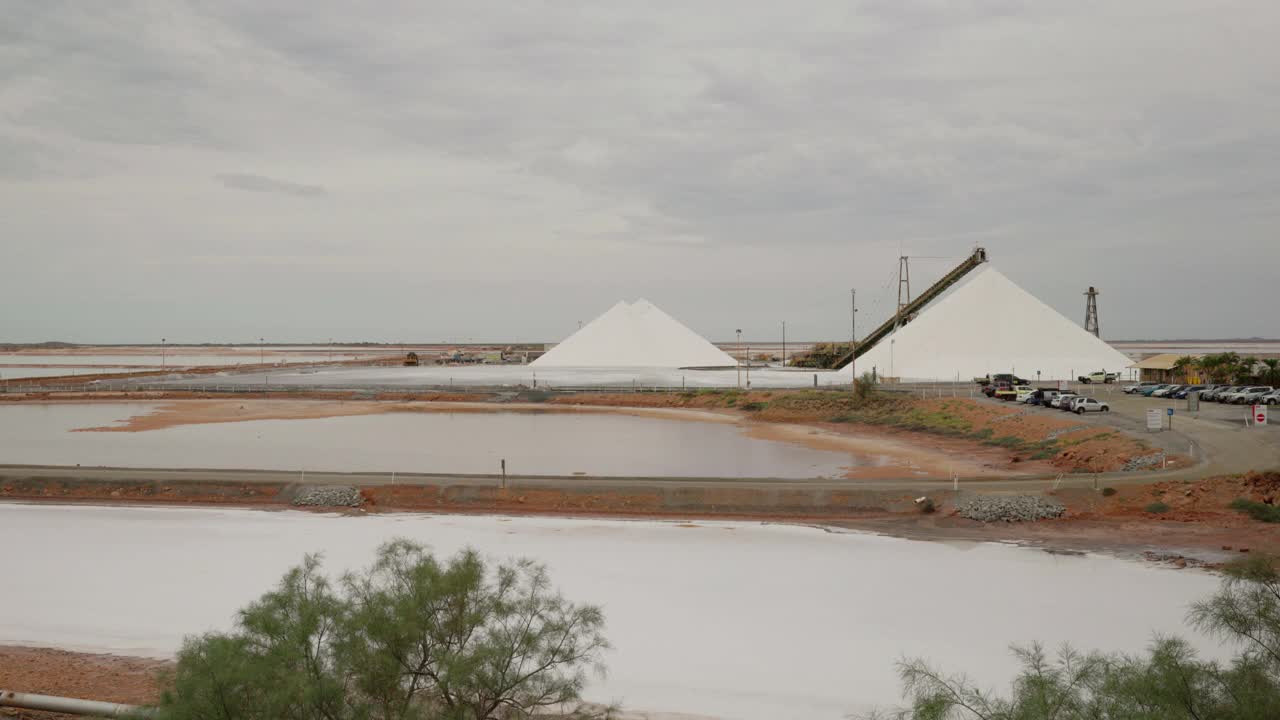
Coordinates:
[151,493]
[109,678]
[960,425]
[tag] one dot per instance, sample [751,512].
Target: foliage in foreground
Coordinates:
[1169,682]
[1257,510]
[410,638]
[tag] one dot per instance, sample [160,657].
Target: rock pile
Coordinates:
[1064,431]
[1009,508]
[328,496]
[1143,462]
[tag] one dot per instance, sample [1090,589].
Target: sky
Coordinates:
[423,171]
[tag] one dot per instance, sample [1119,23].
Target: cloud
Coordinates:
[565,155]
[258,183]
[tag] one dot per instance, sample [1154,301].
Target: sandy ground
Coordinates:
[900,454]
[110,678]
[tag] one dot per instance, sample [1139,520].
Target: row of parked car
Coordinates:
[1052,398]
[1230,394]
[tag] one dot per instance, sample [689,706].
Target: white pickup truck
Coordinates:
[1098,377]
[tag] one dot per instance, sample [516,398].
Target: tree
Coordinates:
[1245,366]
[1273,370]
[411,638]
[1183,365]
[1168,683]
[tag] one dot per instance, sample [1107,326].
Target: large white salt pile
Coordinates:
[635,335]
[989,325]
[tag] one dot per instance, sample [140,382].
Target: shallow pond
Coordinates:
[524,375]
[531,443]
[14,372]
[728,620]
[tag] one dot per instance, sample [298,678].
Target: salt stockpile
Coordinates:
[985,326]
[634,335]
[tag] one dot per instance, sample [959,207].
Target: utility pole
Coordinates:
[853,339]
[262,351]
[784,343]
[162,361]
[1091,311]
[739,357]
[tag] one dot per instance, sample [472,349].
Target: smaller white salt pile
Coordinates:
[635,335]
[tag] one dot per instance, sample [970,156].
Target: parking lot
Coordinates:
[1216,433]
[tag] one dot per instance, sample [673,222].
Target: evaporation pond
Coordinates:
[435,442]
[715,619]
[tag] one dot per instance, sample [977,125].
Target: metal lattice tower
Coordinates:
[1091,312]
[904,286]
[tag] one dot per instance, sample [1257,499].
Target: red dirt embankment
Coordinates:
[1060,443]
[109,678]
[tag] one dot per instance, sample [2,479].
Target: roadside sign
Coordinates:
[1155,419]
[1259,414]
[1170,412]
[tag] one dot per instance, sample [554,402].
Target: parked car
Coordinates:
[1022,392]
[1237,397]
[1061,398]
[1146,392]
[1186,390]
[1271,398]
[1167,391]
[1206,390]
[1082,405]
[1250,396]
[1216,391]
[990,389]
[1131,389]
[998,378]
[1069,402]
[1042,396]
[1006,392]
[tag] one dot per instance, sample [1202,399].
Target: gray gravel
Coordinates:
[1009,508]
[1064,431]
[328,496]
[1143,462]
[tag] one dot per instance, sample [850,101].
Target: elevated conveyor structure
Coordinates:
[909,310]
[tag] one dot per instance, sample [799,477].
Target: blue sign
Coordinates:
[1170,411]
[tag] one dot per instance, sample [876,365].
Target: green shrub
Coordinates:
[501,640]
[1156,508]
[1257,510]
[755,406]
[1108,492]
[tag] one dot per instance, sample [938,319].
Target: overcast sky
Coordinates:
[223,171]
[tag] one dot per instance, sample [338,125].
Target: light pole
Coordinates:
[739,357]
[262,351]
[784,343]
[853,340]
[162,361]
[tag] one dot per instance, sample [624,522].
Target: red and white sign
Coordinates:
[1259,414]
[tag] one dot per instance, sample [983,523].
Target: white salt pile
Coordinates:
[635,335]
[990,325]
